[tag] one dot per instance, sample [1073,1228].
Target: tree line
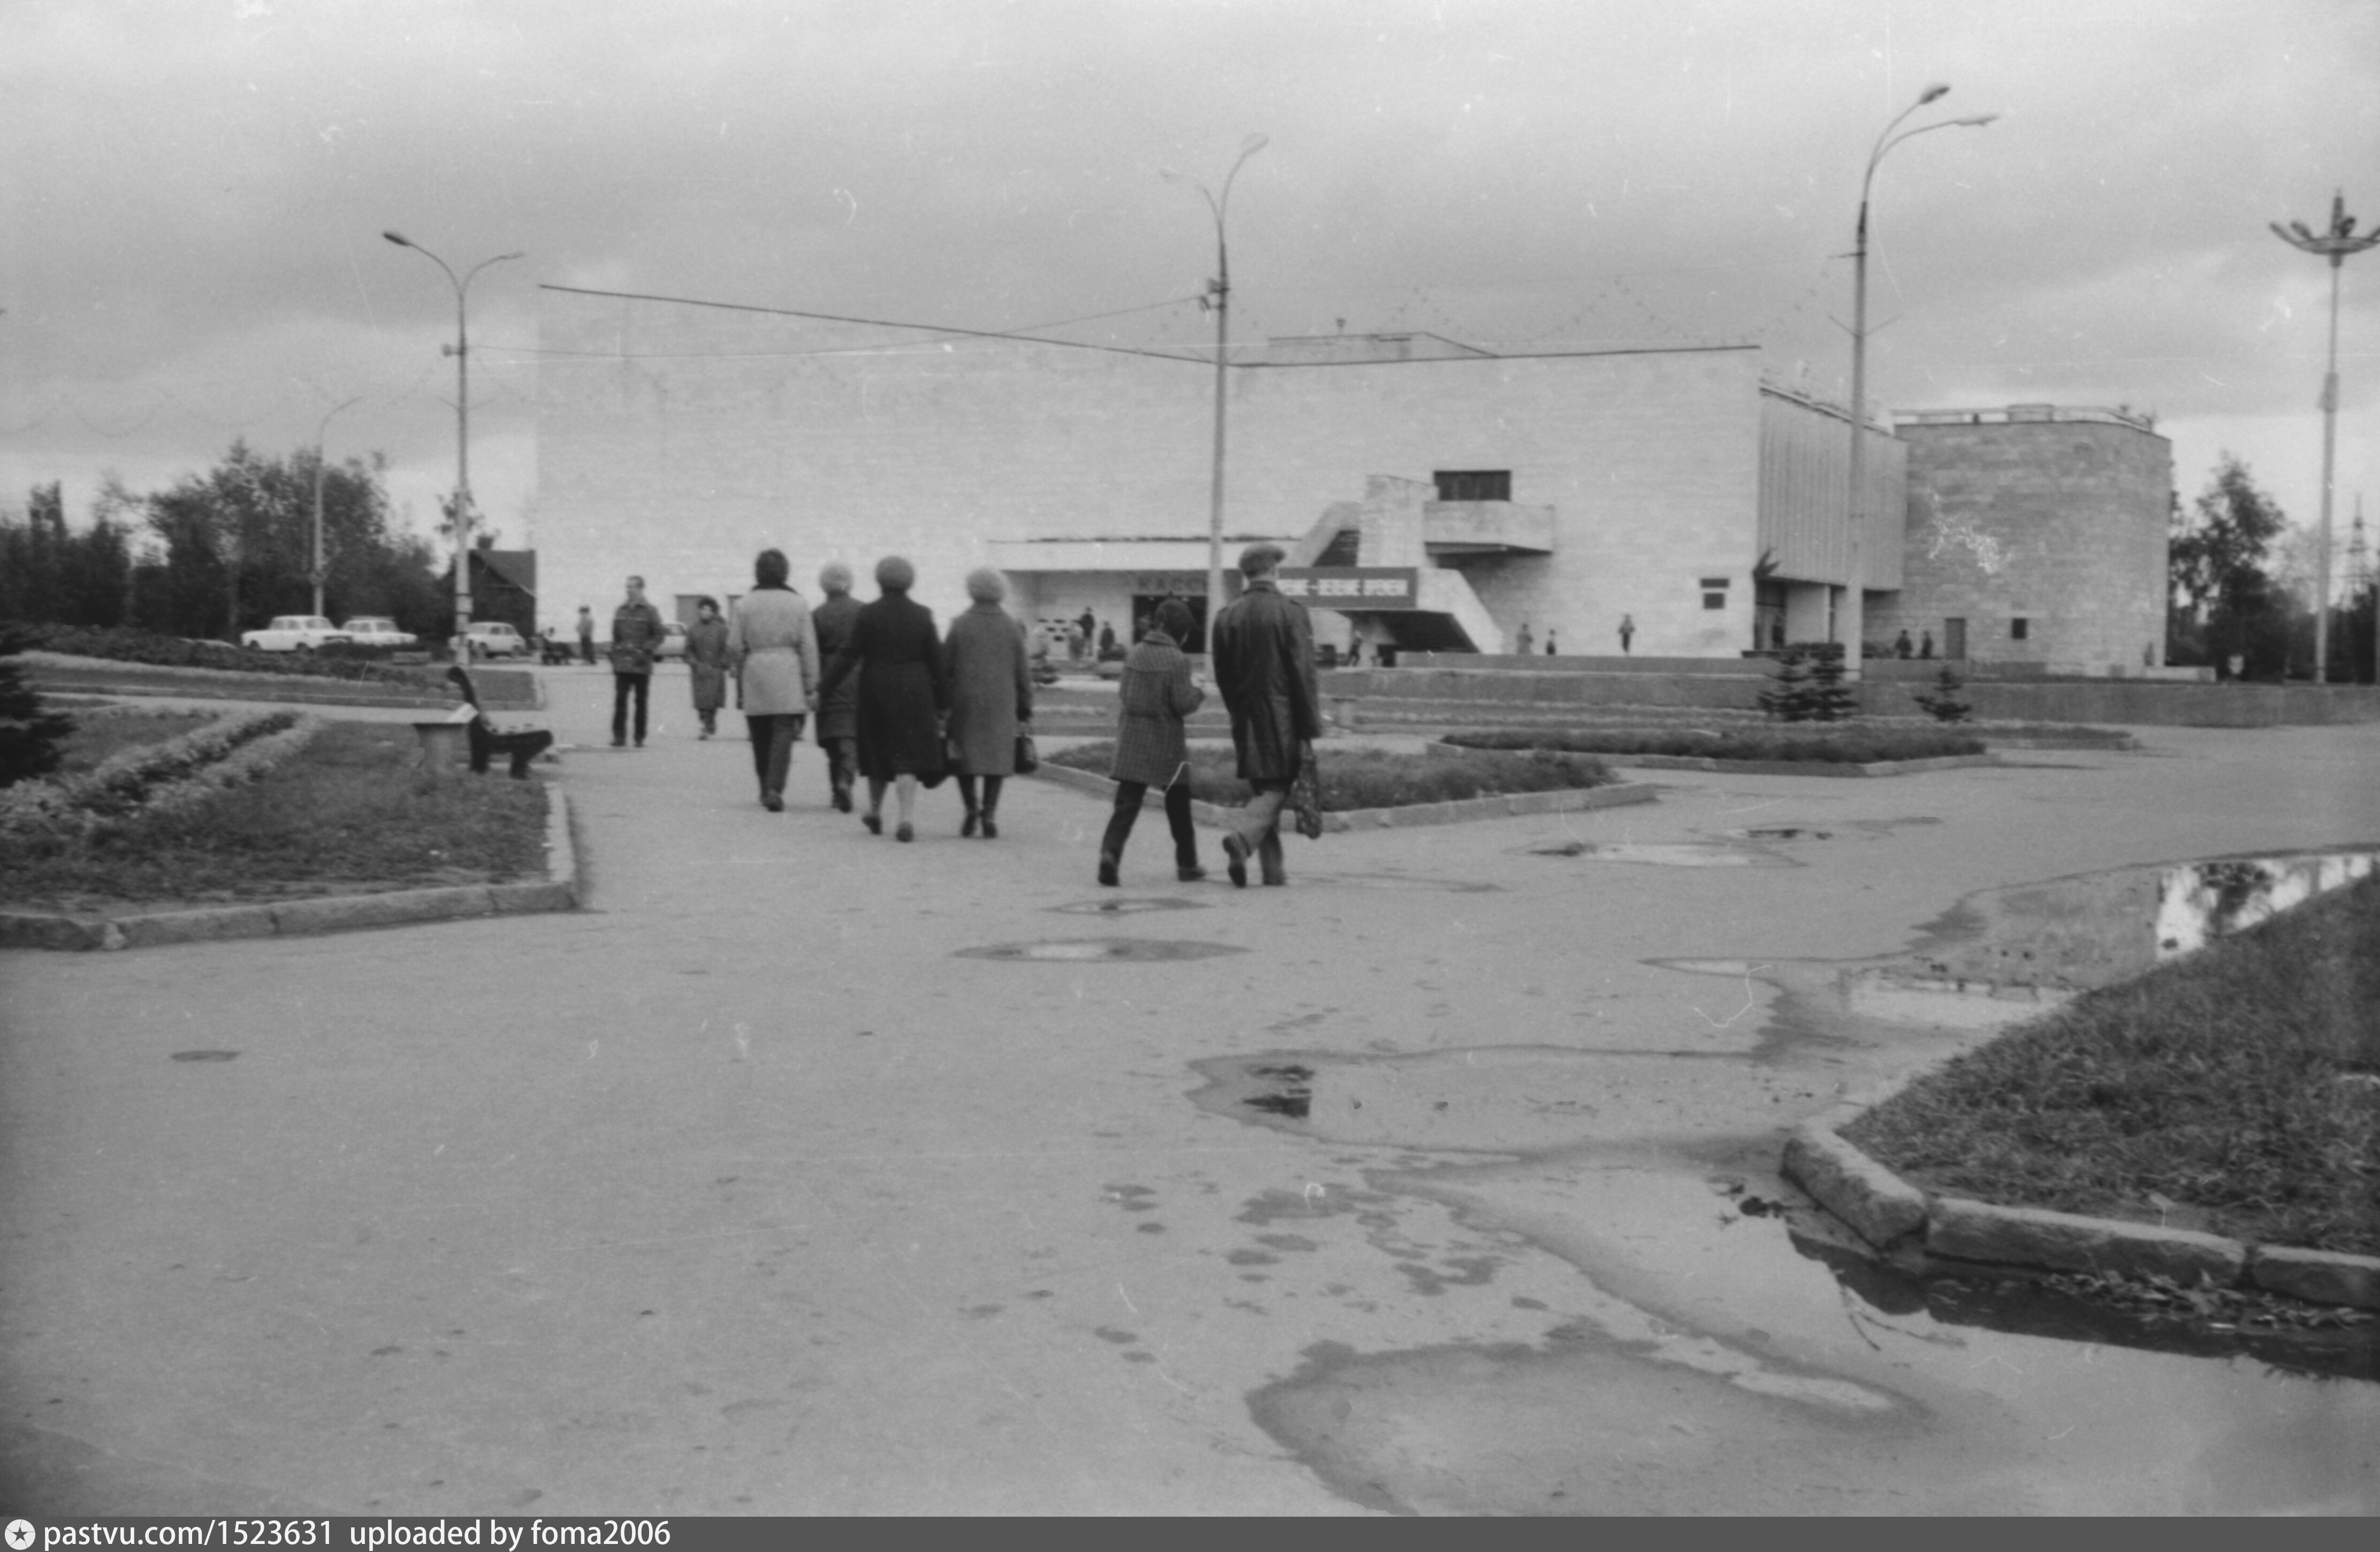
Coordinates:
[2235,603]
[223,552]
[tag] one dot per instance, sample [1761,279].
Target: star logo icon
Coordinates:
[21,1534]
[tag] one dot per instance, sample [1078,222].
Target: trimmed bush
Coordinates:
[120,645]
[1863,745]
[1374,779]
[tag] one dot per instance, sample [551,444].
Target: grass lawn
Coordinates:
[2240,1084]
[1374,779]
[1840,745]
[347,814]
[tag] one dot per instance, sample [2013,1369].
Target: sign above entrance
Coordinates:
[1356,588]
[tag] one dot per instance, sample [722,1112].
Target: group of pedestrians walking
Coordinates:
[902,705]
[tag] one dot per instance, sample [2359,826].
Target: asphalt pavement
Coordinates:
[806,1171]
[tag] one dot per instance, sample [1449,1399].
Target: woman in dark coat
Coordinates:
[1151,750]
[838,714]
[901,694]
[991,698]
[706,661]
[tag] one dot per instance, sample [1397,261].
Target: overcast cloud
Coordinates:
[194,192]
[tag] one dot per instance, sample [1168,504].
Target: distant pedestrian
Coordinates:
[637,635]
[1088,623]
[1549,644]
[1107,638]
[1156,694]
[1924,644]
[1526,641]
[838,712]
[1075,642]
[587,636]
[898,657]
[705,663]
[1900,646]
[1264,665]
[1627,633]
[775,651]
[990,698]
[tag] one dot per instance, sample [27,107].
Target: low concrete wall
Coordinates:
[1737,684]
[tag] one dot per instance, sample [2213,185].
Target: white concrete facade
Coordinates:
[676,439]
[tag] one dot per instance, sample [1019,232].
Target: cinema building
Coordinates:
[1431,495]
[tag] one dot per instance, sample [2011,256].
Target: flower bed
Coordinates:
[1359,779]
[350,813]
[153,779]
[1836,747]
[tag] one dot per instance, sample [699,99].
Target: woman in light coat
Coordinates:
[986,661]
[1151,749]
[773,649]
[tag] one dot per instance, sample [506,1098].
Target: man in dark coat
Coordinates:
[838,714]
[1264,666]
[637,636]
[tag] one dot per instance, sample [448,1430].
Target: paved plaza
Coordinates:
[757,1187]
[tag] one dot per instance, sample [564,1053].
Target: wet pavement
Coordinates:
[809,1172]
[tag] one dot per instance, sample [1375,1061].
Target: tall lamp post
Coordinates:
[1219,290]
[322,430]
[1852,625]
[2335,245]
[461,351]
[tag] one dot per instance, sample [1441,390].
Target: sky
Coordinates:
[194,191]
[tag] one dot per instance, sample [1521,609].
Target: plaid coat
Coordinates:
[1156,694]
[1264,665]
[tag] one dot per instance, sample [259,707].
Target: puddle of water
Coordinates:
[1126,907]
[1510,1099]
[1947,1005]
[1664,854]
[2202,901]
[1793,832]
[1081,951]
[2025,1305]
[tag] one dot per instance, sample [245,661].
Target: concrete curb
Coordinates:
[1570,800]
[1890,1213]
[557,891]
[1746,767]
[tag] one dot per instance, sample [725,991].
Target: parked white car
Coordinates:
[375,630]
[495,639]
[294,633]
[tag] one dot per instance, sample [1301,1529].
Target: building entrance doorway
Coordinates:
[1144,613]
[1954,638]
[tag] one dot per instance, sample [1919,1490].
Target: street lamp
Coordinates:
[461,351]
[1219,290]
[2335,245]
[1852,625]
[320,431]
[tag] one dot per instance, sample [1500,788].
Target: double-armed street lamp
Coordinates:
[461,351]
[1851,624]
[2335,245]
[1219,292]
[320,573]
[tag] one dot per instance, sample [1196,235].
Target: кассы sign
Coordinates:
[1356,588]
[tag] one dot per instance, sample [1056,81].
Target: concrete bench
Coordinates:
[520,745]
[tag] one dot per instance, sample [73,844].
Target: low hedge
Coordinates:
[118,643]
[1840,746]
[1374,779]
